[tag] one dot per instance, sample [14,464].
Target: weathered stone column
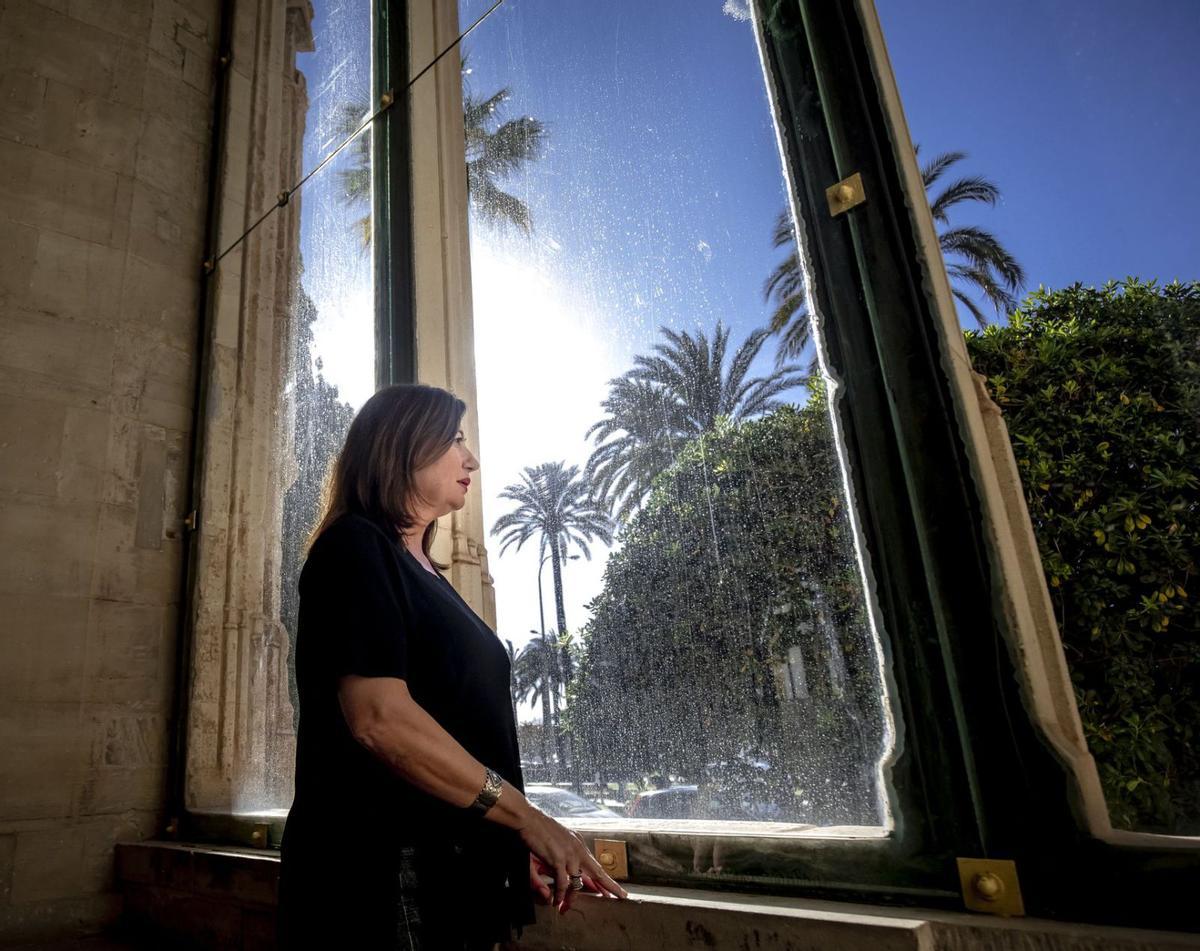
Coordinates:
[240,751]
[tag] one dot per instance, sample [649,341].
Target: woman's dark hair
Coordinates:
[401,429]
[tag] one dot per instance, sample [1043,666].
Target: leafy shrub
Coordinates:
[1101,392]
[741,558]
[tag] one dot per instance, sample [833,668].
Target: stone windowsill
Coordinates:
[225,897]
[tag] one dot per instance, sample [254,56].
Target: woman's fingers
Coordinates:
[590,864]
[605,881]
[566,904]
[596,878]
[560,850]
[539,881]
[560,885]
[601,880]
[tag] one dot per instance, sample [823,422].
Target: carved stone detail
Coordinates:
[239,748]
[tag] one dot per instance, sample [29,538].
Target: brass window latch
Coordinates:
[846,194]
[991,886]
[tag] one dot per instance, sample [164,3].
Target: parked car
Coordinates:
[738,789]
[728,790]
[674,802]
[562,803]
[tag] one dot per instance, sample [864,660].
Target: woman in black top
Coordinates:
[409,828]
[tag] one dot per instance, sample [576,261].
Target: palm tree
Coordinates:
[557,505]
[533,674]
[356,177]
[784,287]
[493,153]
[975,260]
[638,438]
[670,397]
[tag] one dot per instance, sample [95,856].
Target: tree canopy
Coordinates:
[1101,392]
[731,627]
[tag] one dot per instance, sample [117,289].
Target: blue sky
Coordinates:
[653,205]
[662,179]
[1085,114]
[655,199]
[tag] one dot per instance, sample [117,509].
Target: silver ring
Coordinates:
[576,882]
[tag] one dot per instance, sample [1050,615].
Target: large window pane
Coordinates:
[1058,143]
[671,540]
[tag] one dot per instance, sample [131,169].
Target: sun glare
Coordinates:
[543,360]
[344,341]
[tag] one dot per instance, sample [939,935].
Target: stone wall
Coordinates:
[104,139]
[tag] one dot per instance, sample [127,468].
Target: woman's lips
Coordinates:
[465,483]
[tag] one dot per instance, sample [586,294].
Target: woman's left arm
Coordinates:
[383,716]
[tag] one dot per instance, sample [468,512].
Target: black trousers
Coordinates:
[408,906]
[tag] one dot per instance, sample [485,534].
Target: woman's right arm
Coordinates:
[384,718]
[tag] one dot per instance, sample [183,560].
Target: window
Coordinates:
[802,602]
[1097,383]
[631,244]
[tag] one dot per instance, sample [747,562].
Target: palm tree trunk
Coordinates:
[561,617]
[550,710]
[547,732]
[560,613]
[512,677]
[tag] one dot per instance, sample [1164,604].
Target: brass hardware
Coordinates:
[192,520]
[991,886]
[260,836]
[613,858]
[845,195]
[283,198]
[209,266]
[386,99]
[172,828]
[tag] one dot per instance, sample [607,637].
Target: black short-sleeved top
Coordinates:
[369,607]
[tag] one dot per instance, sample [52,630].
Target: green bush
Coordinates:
[742,554]
[1101,393]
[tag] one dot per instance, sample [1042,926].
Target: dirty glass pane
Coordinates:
[322,292]
[673,549]
[1058,144]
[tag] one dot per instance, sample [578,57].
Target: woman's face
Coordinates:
[443,484]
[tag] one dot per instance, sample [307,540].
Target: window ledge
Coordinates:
[664,917]
[224,897]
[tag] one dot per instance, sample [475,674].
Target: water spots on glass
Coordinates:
[673,551]
[323,252]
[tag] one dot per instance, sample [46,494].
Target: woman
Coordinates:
[409,828]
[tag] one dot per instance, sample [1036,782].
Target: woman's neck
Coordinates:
[412,541]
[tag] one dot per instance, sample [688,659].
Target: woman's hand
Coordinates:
[560,853]
[541,881]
